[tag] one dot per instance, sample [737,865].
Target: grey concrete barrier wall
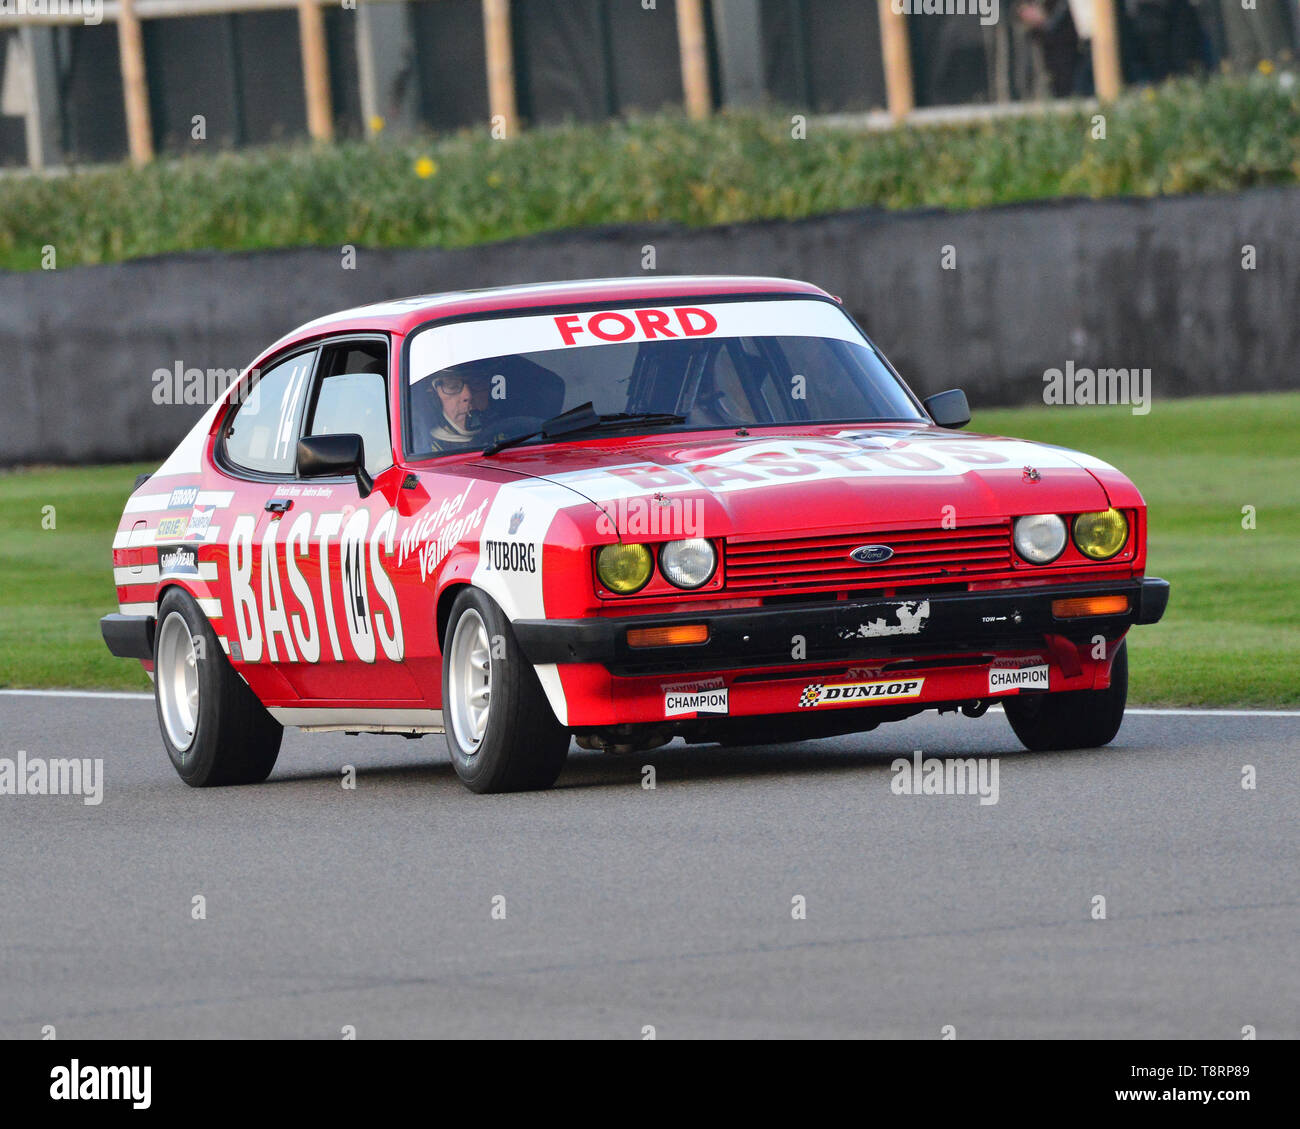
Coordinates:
[1157,284]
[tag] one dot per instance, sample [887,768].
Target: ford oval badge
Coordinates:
[871,554]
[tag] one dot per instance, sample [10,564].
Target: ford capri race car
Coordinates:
[620,511]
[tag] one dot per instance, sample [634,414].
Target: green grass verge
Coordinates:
[1229,133]
[1231,635]
[57,582]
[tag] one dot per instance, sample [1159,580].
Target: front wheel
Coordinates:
[1076,719]
[501,732]
[215,729]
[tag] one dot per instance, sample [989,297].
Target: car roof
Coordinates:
[402,315]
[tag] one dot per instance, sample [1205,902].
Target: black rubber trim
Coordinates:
[1152,600]
[755,638]
[129,636]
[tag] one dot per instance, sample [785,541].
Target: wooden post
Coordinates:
[1105,50]
[695,58]
[896,50]
[315,70]
[135,88]
[502,101]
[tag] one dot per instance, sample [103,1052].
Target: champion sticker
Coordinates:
[678,702]
[1004,679]
[849,693]
[200,519]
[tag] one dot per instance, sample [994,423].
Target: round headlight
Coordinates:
[688,564]
[1101,535]
[1040,538]
[624,568]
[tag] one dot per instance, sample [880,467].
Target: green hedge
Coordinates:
[1226,134]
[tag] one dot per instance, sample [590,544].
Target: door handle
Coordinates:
[279,508]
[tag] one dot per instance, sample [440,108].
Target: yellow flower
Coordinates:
[377,124]
[494,180]
[1265,66]
[426,167]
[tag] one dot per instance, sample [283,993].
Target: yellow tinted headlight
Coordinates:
[1101,535]
[624,568]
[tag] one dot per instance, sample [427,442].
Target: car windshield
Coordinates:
[726,365]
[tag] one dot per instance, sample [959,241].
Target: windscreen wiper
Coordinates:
[584,418]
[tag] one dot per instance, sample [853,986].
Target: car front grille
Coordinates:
[818,563]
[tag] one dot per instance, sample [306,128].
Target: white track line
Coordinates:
[1135,711]
[1217,713]
[1140,712]
[78,694]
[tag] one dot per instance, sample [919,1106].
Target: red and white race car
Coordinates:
[622,511]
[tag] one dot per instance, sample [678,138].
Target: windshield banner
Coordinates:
[444,347]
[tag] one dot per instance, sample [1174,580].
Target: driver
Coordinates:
[462,398]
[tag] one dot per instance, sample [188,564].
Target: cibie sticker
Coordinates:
[1004,679]
[171,527]
[849,693]
[678,702]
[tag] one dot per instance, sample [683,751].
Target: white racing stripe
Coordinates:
[139,538]
[158,503]
[148,574]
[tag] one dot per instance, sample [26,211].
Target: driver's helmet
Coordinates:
[460,396]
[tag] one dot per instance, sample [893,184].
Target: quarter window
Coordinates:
[353,399]
[263,435]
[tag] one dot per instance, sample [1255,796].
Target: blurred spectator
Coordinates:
[1262,31]
[1162,38]
[1063,53]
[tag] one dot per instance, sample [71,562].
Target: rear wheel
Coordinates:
[1078,719]
[215,730]
[501,732]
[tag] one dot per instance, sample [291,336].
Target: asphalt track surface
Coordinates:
[670,908]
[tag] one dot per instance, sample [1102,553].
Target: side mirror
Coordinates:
[948,409]
[323,456]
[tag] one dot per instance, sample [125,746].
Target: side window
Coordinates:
[352,397]
[263,435]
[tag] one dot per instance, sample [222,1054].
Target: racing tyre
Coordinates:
[1079,719]
[215,729]
[501,732]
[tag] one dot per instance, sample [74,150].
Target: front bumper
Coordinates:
[755,638]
